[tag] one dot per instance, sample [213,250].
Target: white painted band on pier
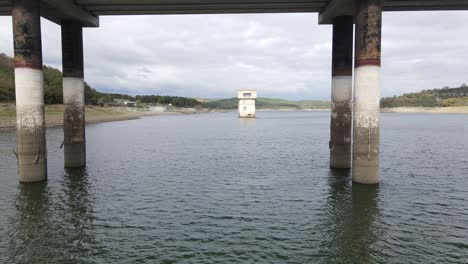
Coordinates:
[29,91]
[367,96]
[29,87]
[73,91]
[342,88]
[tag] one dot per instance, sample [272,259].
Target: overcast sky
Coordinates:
[280,55]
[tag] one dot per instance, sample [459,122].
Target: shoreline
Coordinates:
[427,110]
[291,109]
[100,114]
[456,110]
[93,114]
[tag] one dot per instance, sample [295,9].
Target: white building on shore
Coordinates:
[247,103]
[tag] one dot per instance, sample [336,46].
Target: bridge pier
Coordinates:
[73,95]
[29,91]
[366,127]
[341,95]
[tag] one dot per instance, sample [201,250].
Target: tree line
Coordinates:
[443,97]
[53,90]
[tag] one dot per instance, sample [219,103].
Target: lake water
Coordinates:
[212,188]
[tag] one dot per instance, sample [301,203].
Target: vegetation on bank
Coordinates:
[52,84]
[53,94]
[53,91]
[269,103]
[445,97]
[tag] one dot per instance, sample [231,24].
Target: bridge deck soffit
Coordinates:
[88,11]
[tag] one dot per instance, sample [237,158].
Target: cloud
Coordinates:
[144,70]
[280,55]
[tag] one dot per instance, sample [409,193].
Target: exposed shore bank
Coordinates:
[429,110]
[289,110]
[94,114]
[98,114]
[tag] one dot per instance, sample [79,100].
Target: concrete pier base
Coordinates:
[30,128]
[73,95]
[341,95]
[341,120]
[366,127]
[29,91]
[73,122]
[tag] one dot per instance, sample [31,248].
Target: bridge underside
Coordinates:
[88,11]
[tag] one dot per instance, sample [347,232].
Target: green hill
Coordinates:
[444,97]
[7,87]
[269,103]
[53,91]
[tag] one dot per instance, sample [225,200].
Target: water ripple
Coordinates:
[216,189]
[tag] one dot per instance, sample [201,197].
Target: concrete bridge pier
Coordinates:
[29,89]
[73,95]
[342,85]
[366,127]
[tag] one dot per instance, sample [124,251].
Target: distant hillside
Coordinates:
[444,97]
[269,103]
[53,91]
[52,84]
[7,88]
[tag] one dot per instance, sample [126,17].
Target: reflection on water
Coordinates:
[350,229]
[218,189]
[54,227]
[31,225]
[365,215]
[336,226]
[78,215]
